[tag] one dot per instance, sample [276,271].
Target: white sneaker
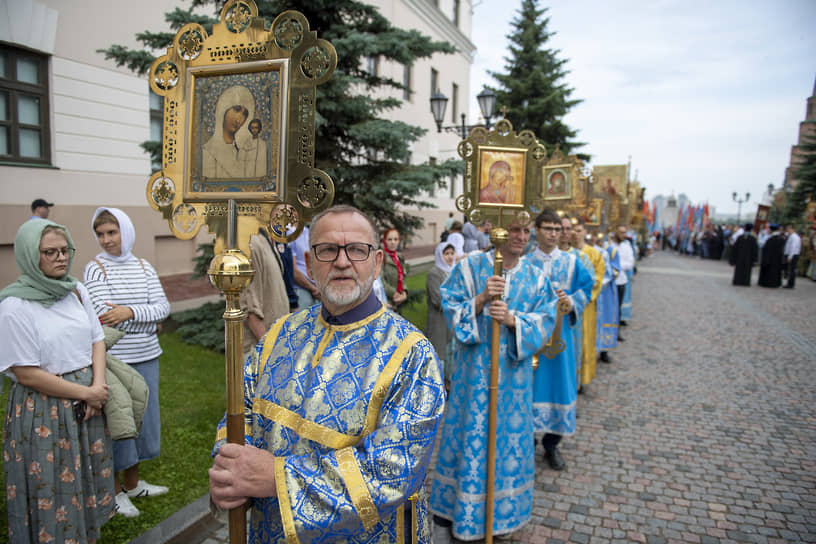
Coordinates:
[144,489]
[124,506]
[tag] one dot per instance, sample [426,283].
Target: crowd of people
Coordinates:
[345,399]
[779,251]
[555,259]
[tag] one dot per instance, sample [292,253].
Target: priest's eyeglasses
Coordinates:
[53,253]
[355,252]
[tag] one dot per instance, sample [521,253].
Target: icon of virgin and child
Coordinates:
[235,149]
[501,186]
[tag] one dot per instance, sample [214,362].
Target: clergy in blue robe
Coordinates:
[555,382]
[607,337]
[342,401]
[527,311]
[565,244]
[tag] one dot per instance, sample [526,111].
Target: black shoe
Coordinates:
[605,357]
[787,286]
[621,338]
[554,459]
[581,390]
[624,323]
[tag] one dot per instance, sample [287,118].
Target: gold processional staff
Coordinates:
[215,88]
[489,156]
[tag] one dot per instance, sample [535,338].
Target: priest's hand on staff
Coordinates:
[494,287]
[240,472]
[498,311]
[563,296]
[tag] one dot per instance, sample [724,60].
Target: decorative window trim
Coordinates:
[13,89]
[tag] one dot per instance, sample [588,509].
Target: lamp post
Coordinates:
[487,105]
[739,202]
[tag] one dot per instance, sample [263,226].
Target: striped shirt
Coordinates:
[136,285]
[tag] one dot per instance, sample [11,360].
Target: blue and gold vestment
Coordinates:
[350,412]
[555,381]
[459,486]
[608,302]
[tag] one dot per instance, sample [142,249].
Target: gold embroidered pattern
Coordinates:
[356,324]
[303,427]
[269,342]
[357,489]
[327,336]
[325,435]
[384,381]
[287,518]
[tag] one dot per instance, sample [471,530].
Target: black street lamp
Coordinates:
[487,105]
[739,202]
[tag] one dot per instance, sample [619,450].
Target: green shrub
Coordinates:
[202,326]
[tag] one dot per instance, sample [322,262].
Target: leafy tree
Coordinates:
[805,190]
[366,154]
[531,86]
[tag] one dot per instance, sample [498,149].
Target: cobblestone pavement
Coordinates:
[701,430]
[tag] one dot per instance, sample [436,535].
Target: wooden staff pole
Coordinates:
[230,272]
[498,236]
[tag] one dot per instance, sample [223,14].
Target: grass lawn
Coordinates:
[417,313]
[192,400]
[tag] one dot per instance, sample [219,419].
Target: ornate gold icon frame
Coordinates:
[272,70]
[502,174]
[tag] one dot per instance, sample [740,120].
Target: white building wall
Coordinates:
[435,22]
[99,119]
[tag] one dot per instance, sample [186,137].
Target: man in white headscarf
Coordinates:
[220,155]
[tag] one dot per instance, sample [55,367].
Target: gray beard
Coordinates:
[360,291]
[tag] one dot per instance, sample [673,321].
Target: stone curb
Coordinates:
[183,521]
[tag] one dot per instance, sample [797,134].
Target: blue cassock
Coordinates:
[459,486]
[555,382]
[607,336]
[350,409]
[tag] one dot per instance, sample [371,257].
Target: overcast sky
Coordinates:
[705,96]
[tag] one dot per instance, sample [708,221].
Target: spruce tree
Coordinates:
[532,86]
[366,154]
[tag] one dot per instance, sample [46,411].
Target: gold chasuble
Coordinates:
[589,355]
[350,411]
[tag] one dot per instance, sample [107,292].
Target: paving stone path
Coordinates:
[703,428]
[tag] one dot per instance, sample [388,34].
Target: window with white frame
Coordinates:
[372,66]
[406,82]
[454,103]
[434,81]
[25,135]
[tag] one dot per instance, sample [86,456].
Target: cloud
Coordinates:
[706,97]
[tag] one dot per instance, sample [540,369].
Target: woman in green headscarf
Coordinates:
[57,452]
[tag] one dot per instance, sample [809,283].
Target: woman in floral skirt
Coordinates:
[57,452]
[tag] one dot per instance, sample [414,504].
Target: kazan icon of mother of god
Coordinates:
[500,187]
